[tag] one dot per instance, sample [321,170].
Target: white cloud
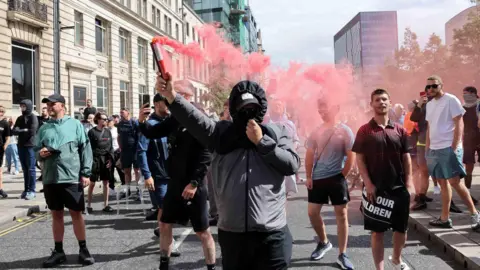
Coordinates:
[303,30]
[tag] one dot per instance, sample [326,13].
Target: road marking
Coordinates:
[23,224]
[182,238]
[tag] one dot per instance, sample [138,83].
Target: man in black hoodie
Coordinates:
[26,128]
[89,109]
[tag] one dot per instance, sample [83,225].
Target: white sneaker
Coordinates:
[113,193]
[401,266]
[436,190]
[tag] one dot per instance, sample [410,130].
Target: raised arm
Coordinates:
[159,130]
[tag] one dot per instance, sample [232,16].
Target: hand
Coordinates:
[189,192]
[421,102]
[44,153]
[454,146]
[165,87]
[149,184]
[85,181]
[143,114]
[371,192]
[254,132]
[109,164]
[309,183]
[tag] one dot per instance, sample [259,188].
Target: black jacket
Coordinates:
[42,121]
[188,159]
[87,111]
[26,126]
[418,115]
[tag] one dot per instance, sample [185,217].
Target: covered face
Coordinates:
[247,101]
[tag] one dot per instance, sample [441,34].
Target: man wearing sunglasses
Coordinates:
[444,150]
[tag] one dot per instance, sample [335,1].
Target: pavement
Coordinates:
[461,241]
[126,241]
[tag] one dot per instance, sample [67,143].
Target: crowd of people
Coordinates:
[246,164]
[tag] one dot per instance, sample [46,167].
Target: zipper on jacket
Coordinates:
[246,191]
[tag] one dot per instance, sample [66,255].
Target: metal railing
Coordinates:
[31,8]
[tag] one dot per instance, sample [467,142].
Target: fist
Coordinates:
[164,86]
[254,132]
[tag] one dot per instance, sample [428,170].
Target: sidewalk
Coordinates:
[461,241]
[14,208]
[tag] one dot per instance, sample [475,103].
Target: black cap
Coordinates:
[158,98]
[54,98]
[471,89]
[245,99]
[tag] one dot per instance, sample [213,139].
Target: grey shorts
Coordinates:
[445,163]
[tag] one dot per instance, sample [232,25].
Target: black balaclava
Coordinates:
[28,103]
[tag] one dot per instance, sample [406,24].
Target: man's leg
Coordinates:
[32,171]
[58,226]
[90,194]
[79,229]
[463,192]
[3,194]
[22,157]
[398,244]
[166,244]
[468,178]
[105,193]
[208,245]
[378,249]
[342,227]
[446,192]
[128,176]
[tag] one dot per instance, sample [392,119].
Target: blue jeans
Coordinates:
[12,154]
[158,195]
[27,159]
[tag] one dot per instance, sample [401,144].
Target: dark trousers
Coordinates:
[256,250]
[27,159]
[119,171]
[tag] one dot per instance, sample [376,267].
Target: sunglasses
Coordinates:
[103,118]
[433,86]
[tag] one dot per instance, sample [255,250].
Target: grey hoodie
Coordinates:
[248,184]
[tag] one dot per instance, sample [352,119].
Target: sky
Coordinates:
[303,30]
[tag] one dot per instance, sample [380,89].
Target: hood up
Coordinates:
[28,103]
[254,89]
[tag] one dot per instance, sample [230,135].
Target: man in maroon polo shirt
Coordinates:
[385,166]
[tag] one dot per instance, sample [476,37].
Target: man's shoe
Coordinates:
[85,258]
[436,190]
[30,196]
[419,205]
[3,194]
[213,221]
[344,262]
[152,216]
[475,221]
[447,224]
[108,209]
[24,193]
[320,251]
[55,259]
[426,198]
[454,208]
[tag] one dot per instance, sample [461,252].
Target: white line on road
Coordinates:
[182,238]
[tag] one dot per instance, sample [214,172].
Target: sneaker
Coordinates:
[401,266]
[475,221]
[85,258]
[16,173]
[55,259]
[30,196]
[23,195]
[108,209]
[213,221]
[3,194]
[152,216]
[175,252]
[426,198]
[436,190]
[320,251]
[89,210]
[454,208]
[112,193]
[419,205]
[344,262]
[441,224]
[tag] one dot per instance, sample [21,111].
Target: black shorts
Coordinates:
[334,188]
[390,211]
[59,196]
[178,210]
[2,154]
[100,170]
[128,158]
[469,150]
[256,250]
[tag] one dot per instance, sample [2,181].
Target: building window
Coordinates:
[143,95]
[102,93]
[169,3]
[124,100]
[23,72]
[123,43]
[142,53]
[79,96]
[144,9]
[170,26]
[125,3]
[177,31]
[100,36]
[154,13]
[188,29]
[165,23]
[159,16]
[176,6]
[78,28]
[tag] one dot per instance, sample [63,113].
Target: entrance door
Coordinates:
[23,72]
[79,100]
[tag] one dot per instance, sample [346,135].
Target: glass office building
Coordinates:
[366,42]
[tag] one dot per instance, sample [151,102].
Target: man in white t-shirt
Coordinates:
[444,150]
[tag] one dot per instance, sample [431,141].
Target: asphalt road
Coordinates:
[126,241]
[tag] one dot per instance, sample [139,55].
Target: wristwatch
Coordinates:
[194,183]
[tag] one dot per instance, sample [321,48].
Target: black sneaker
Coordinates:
[427,199]
[441,224]
[164,262]
[152,216]
[85,258]
[89,210]
[213,222]
[108,209]
[3,194]
[454,208]
[419,205]
[320,251]
[55,259]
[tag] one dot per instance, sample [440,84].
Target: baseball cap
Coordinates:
[245,99]
[54,98]
[158,98]
[471,89]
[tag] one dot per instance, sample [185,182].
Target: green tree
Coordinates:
[219,88]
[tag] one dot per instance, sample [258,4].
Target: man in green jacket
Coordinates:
[65,150]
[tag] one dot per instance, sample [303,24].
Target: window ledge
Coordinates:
[20,17]
[79,66]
